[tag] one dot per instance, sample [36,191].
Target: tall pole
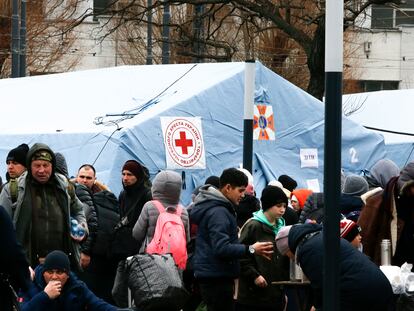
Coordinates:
[332,153]
[15,39]
[198,33]
[249,85]
[166,34]
[22,59]
[149,33]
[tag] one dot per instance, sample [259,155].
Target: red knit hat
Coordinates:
[349,229]
[301,195]
[134,167]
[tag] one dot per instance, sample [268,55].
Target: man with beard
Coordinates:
[137,192]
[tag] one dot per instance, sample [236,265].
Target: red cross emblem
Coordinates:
[184,143]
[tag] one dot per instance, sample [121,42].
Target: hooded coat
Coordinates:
[75,296]
[389,214]
[166,188]
[362,284]
[217,249]
[132,199]
[381,173]
[21,210]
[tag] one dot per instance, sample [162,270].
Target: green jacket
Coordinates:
[21,210]
[252,266]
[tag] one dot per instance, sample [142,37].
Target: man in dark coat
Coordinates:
[137,192]
[98,270]
[14,268]
[362,287]
[216,258]
[55,288]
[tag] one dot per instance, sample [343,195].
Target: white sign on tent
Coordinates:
[183,141]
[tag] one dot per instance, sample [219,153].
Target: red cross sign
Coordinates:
[184,143]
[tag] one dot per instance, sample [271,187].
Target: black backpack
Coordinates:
[107,213]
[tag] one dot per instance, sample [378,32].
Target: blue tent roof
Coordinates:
[59,110]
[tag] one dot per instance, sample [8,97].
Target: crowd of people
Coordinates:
[55,232]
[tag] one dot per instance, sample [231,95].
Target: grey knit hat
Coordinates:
[61,165]
[355,185]
[282,240]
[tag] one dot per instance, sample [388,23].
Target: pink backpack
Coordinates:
[169,236]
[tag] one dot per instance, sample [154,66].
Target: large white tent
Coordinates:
[129,104]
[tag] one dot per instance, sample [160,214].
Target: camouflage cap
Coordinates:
[42,155]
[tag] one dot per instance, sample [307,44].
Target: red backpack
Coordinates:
[169,236]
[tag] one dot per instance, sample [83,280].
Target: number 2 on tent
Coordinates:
[353,153]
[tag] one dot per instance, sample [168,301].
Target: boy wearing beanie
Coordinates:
[258,273]
[351,232]
[56,288]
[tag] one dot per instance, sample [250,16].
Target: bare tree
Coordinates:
[5,30]
[49,46]
[301,23]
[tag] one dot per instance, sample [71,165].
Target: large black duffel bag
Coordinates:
[155,282]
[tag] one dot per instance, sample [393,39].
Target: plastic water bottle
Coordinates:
[76,230]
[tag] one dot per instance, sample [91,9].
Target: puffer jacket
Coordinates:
[75,296]
[363,286]
[217,249]
[166,188]
[85,197]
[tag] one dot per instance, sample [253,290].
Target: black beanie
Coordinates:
[135,168]
[272,195]
[57,260]
[288,182]
[213,180]
[18,154]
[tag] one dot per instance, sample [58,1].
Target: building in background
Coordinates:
[381,49]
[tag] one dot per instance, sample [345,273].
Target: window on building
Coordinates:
[381,16]
[384,16]
[404,17]
[100,6]
[374,85]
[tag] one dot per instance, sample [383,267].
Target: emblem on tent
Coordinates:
[263,124]
[183,140]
